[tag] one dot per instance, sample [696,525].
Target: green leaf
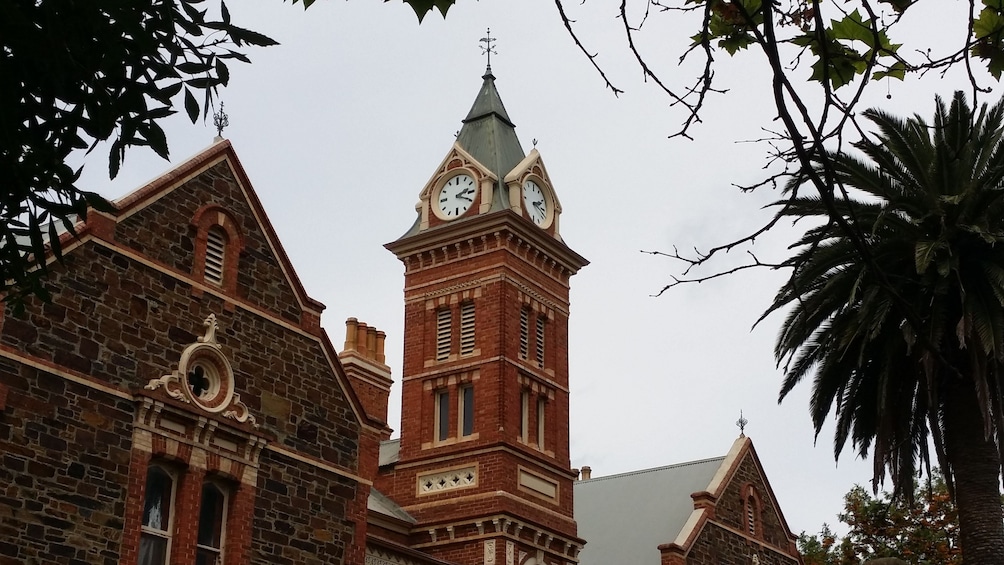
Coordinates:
[191,106]
[423,7]
[192,67]
[897,70]
[852,27]
[222,72]
[736,42]
[240,35]
[158,141]
[923,254]
[988,23]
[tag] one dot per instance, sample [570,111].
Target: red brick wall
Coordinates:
[514,275]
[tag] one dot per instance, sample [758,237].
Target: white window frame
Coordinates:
[219,551]
[167,534]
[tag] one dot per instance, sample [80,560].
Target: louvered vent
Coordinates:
[540,342]
[443,335]
[467,328]
[216,245]
[524,333]
[751,521]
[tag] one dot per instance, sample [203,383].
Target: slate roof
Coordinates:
[624,518]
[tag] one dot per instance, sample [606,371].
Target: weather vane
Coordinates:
[488,48]
[220,120]
[741,422]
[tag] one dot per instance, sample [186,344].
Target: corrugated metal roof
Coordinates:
[389,451]
[624,518]
[378,502]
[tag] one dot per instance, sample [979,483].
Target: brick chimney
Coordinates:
[587,472]
[363,360]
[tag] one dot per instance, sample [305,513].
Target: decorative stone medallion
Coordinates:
[205,378]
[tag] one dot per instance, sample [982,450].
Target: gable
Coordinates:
[165,220]
[735,517]
[125,303]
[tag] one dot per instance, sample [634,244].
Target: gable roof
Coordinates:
[100,224]
[624,518]
[220,150]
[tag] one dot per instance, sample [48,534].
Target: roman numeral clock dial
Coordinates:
[456,196]
[535,203]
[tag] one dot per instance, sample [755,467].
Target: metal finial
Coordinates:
[741,422]
[488,48]
[535,142]
[220,120]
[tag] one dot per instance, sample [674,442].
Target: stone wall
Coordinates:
[123,308]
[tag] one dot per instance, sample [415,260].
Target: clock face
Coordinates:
[456,196]
[534,201]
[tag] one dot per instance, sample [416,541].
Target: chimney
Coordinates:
[587,472]
[363,360]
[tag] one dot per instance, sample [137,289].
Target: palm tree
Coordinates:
[897,307]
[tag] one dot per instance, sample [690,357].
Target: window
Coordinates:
[442,415]
[466,410]
[540,423]
[155,539]
[216,245]
[752,511]
[443,334]
[524,422]
[540,342]
[524,333]
[212,517]
[467,328]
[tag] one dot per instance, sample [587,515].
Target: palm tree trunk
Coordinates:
[976,467]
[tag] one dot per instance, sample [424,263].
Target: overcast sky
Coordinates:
[340,127]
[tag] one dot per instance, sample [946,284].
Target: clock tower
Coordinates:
[482,465]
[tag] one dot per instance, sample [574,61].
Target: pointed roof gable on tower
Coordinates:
[488,134]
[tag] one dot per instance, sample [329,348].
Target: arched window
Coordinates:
[218,245]
[216,249]
[158,516]
[752,505]
[212,523]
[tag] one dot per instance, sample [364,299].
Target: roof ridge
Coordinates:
[654,469]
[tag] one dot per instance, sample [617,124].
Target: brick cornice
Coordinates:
[503,229]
